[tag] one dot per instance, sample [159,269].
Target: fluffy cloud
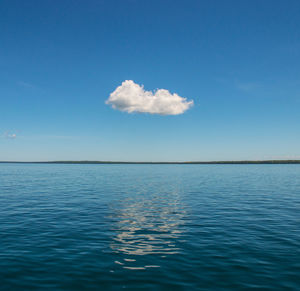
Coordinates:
[131,97]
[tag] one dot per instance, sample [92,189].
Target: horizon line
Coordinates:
[143,162]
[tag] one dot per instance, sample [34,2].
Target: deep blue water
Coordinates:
[162,227]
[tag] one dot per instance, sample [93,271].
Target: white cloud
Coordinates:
[10,135]
[131,97]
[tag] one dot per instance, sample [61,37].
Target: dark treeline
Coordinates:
[166,163]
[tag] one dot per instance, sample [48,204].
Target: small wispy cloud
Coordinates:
[58,137]
[26,85]
[246,86]
[131,97]
[10,135]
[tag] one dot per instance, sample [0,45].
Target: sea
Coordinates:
[149,227]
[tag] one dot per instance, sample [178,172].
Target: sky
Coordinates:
[149,80]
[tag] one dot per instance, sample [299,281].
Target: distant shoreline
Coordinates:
[161,163]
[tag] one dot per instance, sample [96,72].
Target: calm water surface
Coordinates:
[162,227]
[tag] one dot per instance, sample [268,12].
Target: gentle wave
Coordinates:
[149,227]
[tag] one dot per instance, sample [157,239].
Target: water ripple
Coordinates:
[180,227]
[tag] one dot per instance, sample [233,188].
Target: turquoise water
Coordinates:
[162,227]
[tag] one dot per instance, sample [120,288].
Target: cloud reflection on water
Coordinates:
[147,224]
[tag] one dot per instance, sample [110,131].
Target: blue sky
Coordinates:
[239,61]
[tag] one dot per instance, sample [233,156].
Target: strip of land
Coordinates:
[161,163]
